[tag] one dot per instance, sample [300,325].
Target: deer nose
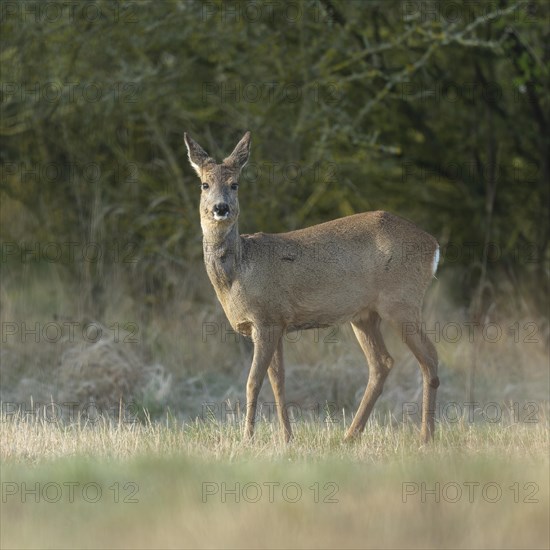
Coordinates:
[221,209]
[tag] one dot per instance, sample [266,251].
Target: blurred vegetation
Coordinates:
[438,115]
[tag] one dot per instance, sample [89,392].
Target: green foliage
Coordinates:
[441,118]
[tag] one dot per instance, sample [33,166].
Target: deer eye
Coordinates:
[205,186]
[234,186]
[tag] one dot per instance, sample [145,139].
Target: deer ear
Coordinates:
[239,157]
[198,157]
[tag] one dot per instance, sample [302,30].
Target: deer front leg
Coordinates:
[265,342]
[276,374]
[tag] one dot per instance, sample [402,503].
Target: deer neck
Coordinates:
[222,255]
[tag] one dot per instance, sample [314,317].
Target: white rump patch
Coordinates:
[435,261]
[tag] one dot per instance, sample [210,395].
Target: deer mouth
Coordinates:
[221,217]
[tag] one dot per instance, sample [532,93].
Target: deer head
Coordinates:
[219,205]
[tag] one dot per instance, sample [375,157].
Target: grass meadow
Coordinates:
[127,430]
[198,485]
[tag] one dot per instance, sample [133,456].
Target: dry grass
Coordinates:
[176,364]
[31,439]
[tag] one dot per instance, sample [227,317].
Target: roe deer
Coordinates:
[360,268]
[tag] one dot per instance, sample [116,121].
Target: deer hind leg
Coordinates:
[276,374]
[408,322]
[379,362]
[265,342]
